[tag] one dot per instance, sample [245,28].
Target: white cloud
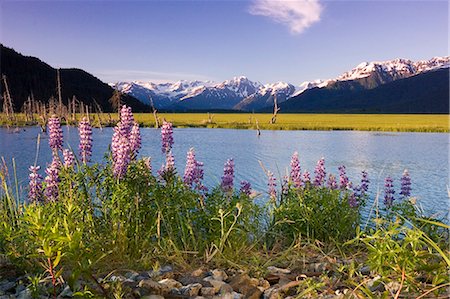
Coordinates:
[296,14]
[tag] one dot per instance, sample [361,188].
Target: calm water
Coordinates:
[425,155]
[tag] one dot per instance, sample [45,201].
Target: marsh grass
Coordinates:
[285,121]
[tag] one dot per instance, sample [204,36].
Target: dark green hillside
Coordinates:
[423,93]
[26,75]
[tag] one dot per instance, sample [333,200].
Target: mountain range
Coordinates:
[242,94]
[394,86]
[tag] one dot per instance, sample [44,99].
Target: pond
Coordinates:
[425,155]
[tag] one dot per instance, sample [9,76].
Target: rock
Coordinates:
[191,290]
[67,292]
[375,285]
[132,276]
[170,283]
[271,293]
[200,272]
[276,270]
[245,285]
[153,287]
[365,270]
[272,279]
[25,294]
[115,278]
[208,291]
[7,286]
[263,284]
[232,295]
[216,284]
[219,274]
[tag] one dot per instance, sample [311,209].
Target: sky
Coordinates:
[265,40]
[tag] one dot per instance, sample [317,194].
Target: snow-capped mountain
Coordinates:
[243,94]
[266,95]
[372,74]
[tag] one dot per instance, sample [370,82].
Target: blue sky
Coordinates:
[265,40]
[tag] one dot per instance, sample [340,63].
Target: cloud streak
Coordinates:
[298,15]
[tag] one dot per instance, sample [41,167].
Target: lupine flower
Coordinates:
[320,173]
[55,134]
[126,120]
[191,171]
[170,162]
[85,133]
[135,139]
[388,192]
[295,175]
[272,185]
[352,200]
[52,180]
[166,137]
[343,179]
[332,182]
[406,184]
[148,163]
[306,177]
[364,183]
[69,158]
[246,188]
[121,155]
[35,184]
[228,176]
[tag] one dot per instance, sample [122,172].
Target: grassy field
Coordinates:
[361,122]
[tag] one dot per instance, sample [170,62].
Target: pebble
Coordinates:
[170,283]
[191,290]
[152,286]
[276,270]
[208,291]
[219,274]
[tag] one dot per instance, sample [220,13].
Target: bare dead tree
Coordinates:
[275,110]
[258,131]
[60,104]
[115,100]
[155,113]
[8,108]
[98,111]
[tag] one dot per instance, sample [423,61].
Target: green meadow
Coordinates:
[360,122]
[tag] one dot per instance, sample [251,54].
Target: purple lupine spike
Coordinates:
[170,162]
[51,181]
[55,140]
[272,185]
[191,165]
[148,163]
[198,176]
[126,120]
[246,188]
[320,173]
[121,156]
[35,184]
[228,176]
[69,158]
[295,175]
[388,192]
[406,184]
[166,137]
[352,200]
[306,177]
[343,179]
[135,139]
[364,187]
[85,133]
[332,184]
